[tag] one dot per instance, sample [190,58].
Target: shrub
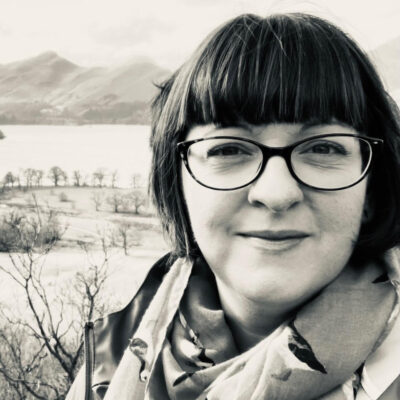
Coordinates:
[63,197]
[21,232]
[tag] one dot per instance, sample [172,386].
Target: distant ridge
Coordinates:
[49,89]
[387,59]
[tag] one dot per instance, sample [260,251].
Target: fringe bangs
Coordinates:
[265,71]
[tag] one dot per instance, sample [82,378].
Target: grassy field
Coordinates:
[77,214]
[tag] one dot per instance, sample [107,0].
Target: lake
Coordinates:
[124,148]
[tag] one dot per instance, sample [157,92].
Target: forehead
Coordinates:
[275,133]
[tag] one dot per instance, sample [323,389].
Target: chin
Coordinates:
[286,292]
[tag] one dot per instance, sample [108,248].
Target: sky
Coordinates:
[112,32]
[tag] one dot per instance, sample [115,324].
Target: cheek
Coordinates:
[339,213]
[210,211]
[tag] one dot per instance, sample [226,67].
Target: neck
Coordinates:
[250,321]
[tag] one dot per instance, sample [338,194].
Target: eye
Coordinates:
[227,150]
[323,148]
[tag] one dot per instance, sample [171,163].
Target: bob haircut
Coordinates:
[292,68]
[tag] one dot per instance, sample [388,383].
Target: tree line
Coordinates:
[28,178]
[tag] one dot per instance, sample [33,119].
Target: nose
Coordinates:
[275,188]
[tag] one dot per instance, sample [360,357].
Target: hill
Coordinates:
[387,59]
[48,89]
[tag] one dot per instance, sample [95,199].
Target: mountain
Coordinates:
[49,89]
[387,58]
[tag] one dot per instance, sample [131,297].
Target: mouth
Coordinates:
[275,235]
[274,240]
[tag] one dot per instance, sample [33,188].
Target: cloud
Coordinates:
[133,32]
[103,32]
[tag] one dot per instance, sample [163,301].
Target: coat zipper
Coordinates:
[89,359]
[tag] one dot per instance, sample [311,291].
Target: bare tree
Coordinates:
[53,330]
[98,177]
[85,178]
[57,175]
[117,200]
[90,282]
[97,197]
[9,179]
[114,178]
[125,236]
[77,178]
[19,179]
[38,177]
[21,360]
[138,199]
[137,181]
[29,175]
[15,222]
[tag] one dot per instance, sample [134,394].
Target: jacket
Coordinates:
[107,338]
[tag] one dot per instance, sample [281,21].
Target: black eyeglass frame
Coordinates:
[285,152]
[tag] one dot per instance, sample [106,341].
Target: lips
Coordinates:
[274,241]
[275,235]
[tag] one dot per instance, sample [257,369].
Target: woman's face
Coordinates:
[275,241]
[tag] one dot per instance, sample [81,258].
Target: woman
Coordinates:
[276,176]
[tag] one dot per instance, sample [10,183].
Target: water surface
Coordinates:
[86,148]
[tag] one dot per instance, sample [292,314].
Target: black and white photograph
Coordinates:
[200,200]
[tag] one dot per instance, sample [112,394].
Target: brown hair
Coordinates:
[292,68]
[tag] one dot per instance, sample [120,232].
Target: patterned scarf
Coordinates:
[186,346]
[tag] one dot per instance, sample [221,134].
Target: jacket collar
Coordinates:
[382,367]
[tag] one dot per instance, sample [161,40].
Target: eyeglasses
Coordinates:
[326,162]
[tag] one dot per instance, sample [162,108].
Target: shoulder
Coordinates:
[129,315]
[381,373]
[112,333]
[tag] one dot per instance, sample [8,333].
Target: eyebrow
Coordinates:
[305,125]
[302,130]
[312,124]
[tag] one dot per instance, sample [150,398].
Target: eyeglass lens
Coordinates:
[326,163]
